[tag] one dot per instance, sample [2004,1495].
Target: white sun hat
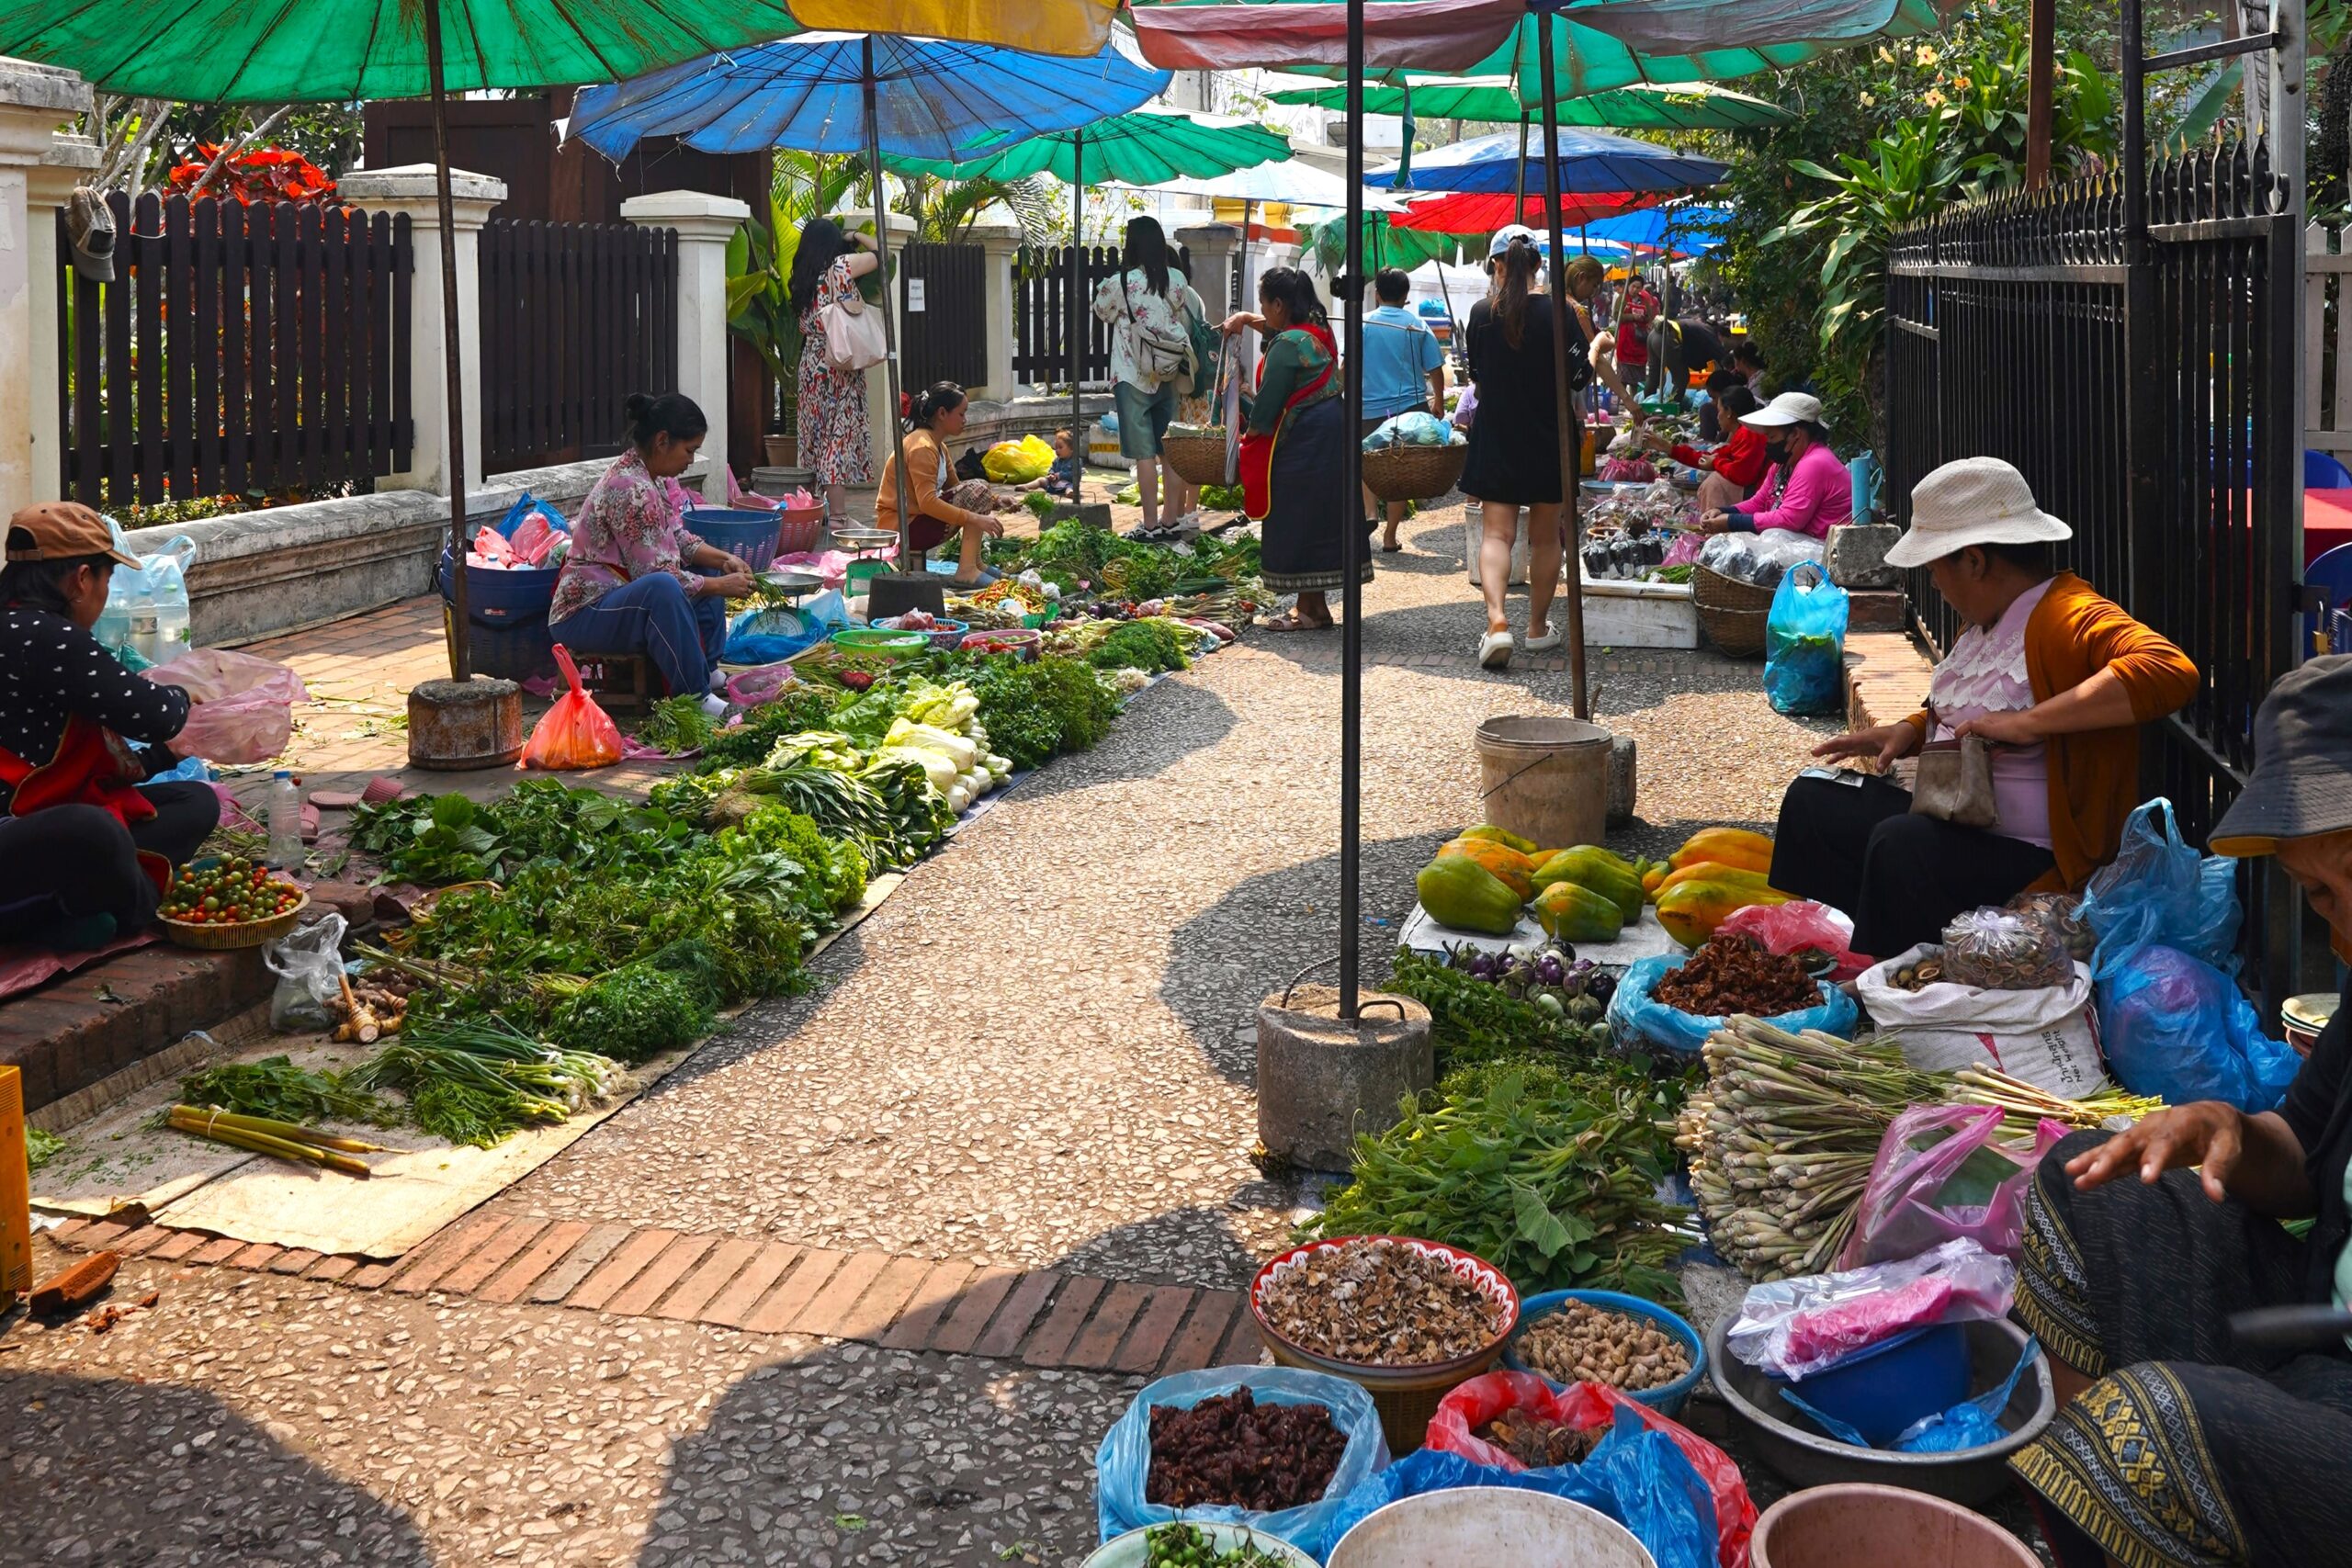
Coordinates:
[1509,234]
[1973,500]
[1789,407]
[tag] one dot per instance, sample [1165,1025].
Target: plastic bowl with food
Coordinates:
[1666,1399]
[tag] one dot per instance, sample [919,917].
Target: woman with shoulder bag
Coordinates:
[1148,304]
[836,436]
[2028,746]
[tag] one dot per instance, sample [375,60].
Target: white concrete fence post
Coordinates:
[48,183]
[34,101]
[1002,241]
[704,224]
[1211,246]
[409,189]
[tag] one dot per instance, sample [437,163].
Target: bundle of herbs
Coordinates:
[640,1011]
[799,708]
[1474,1021]
[1551,1177]
[678,726]
[275,1089]
[480,1080]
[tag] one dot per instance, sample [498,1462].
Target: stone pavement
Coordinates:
[1030,1070]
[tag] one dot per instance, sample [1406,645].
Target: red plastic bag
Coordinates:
[1801,926]
[1586,1405]
[575,733]
[1940,1176]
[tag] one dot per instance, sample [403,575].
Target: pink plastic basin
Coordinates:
[1835,1526]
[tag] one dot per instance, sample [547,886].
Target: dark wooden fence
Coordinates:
[947,340]
[239,349]
[1041,311]
[574,318]
[2131,347]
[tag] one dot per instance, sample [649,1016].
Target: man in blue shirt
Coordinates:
[1404,369]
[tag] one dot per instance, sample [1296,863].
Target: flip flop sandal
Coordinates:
[1292,621]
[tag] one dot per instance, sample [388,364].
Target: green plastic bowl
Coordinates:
[872,639]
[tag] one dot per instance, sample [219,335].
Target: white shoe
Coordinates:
[715,705]
[1545,643]
[1494,649]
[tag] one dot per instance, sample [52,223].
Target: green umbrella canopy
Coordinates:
[1382,246]
[337,51]
[1139,149]
[1689,106]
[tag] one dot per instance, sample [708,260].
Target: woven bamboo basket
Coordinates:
[1197,459]
[219,939]
[1414,473]
[1732,612]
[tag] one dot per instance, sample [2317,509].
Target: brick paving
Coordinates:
[1040,1318]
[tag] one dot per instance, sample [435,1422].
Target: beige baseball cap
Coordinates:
[62,530]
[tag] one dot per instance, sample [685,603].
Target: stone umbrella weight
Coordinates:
[1323,1079]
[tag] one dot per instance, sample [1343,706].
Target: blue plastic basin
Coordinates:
[740,531]
[1881,1391]
[1666,1399]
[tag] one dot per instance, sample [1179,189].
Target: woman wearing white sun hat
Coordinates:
[1807,490]
[2056,678]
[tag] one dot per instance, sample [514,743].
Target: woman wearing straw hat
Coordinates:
[2055,680]
[2181,1439]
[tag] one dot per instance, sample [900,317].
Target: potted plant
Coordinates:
[758,277]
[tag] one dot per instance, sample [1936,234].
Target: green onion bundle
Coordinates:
[476,1080]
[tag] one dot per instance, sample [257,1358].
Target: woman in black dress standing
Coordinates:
[1515,441]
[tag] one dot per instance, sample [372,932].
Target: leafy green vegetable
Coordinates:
[1154,645]
[637,1011]
[1472,1021]
[40,1147]
[1549,1175]
[678,724]
[802,707]
[431,839]
[275,1088]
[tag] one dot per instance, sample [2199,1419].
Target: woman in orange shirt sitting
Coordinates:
[1731,470]
[941,505]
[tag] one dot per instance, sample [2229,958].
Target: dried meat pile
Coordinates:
[1231,1449]
[1538,1443]
[1380,1304]
[1733,974]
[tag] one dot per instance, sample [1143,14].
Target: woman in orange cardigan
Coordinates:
[2057,679]
[941,506]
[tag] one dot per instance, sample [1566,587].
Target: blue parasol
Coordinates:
[1588,161]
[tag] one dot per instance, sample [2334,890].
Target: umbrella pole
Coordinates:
[1519,214]
[1571,421]
[461,663]
[1077,316]
[889,330]
[1351,538]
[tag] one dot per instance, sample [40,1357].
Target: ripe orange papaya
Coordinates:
[1502,836]
[1725,846]
[1506,864]
[1715,871]
[1691,912]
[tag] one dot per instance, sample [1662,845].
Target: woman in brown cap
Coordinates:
[86,849]
[2184,1437]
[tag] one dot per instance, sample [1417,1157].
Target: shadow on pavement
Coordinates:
[83,1467]
[1163,725]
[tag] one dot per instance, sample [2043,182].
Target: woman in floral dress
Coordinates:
[835,438]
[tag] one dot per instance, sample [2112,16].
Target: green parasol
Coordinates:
[1147,147]
[1689,106]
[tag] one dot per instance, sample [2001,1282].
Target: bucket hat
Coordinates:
[1972,500]
[2301,781]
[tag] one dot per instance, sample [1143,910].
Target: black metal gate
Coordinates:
[943,301]
[2129,343]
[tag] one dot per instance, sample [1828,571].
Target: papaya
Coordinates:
[1692,911]
[1459,892]
[1725,846]
[1574,913]
[1595,868]
[1653,875]
[1714,871]
[1506,864]
[1502,836]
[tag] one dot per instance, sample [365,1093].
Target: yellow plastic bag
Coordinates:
[1017,462]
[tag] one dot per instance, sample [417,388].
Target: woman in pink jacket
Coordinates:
[1807,490]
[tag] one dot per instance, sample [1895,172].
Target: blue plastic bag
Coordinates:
[768,634]
[1971,1423]
[2157,889]
[1636,1476]
[1805,644]
[1634,1019]
[525,505]
[2178,1027]
[1122,1461]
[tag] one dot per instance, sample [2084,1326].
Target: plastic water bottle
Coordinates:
[285,821]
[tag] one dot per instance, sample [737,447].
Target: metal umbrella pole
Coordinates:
[1351,538]
[1570,422]
[1519,196]
[889,328]
[1077,316]
[461,660]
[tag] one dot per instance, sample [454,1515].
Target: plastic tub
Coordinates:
[1831,1526]
[798,529]
[1507,1526]
[748,532]
[1881,1391]
[508,612]
[1023,641]
[1666,1399]
[1131,1550]
[877,640]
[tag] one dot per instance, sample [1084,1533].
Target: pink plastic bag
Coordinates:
[1801,927]
[1586,1405]
[1793,1328]
[738,496]
[243,710]
[1939,1177]
[575,732]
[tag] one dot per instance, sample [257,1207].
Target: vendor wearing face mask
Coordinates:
[1807,490]
[86,849]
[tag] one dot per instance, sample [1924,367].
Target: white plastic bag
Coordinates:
[1793,1328]
[307,962]
[2047,1038]
[244,707]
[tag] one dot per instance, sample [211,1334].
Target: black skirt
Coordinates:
[1308,509]
[1515,439]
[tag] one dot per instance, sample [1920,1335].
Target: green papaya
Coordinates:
[1502,836]
[1574,913]
[1588,865]
[1459,892]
